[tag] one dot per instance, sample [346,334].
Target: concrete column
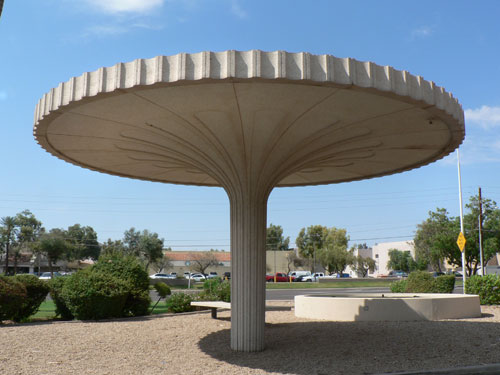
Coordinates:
[248,270]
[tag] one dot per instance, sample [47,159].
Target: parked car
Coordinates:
[299,273]
[306,278]
[437,273]
[48,276]
[398,274]
[212,275]
[196,277]
[279,277]
[317,275]
[162,276]
[343,275]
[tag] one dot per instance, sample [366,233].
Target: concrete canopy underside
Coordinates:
[248,122]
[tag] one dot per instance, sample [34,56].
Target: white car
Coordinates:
[308,278]
[161,276]
[48,276]
[196,277]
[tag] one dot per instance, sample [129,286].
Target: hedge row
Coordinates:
[21,296]
[487,287]
[424,282]
[213,290]
[115,286]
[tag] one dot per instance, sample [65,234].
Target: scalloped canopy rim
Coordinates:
[267,118]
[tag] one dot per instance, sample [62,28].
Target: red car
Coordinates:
[280,277]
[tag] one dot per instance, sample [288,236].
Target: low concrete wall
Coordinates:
[387,307]
[171,282]
[357,279]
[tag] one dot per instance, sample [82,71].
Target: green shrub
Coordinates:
[95,295]
[423,282]
[216,290]
[137,303]
[130,270]
[444,284]
[487,287]
[420,282]
[56,285]
[398,286]
[162,289]
[12,295]
[36,292]
[179,302]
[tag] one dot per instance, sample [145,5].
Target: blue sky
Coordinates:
[453,43]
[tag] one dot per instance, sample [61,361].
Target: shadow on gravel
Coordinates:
[308,348]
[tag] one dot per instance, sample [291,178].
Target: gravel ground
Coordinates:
[196,344]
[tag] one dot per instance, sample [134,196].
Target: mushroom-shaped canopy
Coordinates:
[285,118]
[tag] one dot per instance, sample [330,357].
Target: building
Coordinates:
[186,261]
[34,264]
[380,252]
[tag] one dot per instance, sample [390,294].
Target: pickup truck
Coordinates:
[280,277]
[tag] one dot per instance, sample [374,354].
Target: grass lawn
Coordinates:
[47,310]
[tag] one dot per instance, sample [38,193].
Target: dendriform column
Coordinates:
[248,263]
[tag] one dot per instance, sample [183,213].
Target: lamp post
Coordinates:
[461,214]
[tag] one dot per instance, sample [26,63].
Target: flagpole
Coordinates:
[461,216]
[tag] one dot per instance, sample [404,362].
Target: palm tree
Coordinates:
[8,233]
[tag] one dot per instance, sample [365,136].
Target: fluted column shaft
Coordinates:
[248,265]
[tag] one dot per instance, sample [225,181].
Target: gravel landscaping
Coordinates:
[195,343]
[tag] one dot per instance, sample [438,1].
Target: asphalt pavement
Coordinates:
[289,294]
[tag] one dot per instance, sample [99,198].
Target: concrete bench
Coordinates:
[213,305]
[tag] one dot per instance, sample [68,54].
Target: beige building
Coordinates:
[184,261]
[380,252]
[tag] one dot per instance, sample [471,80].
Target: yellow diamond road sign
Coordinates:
[461,241]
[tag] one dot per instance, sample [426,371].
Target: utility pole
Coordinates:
[481,255]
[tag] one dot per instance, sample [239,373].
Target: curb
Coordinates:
[492,369]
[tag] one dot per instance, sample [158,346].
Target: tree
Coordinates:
[150,247]
[311,239]
[162,263]
[145,245]
[113,247]
[202,260]
[401,260]
[84,241]
[363,264]
[490,232]
[8,232]
[29,230]
[435,239]
[275,239]
[295,261]
[131,240]
[334,256]
[54,246]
